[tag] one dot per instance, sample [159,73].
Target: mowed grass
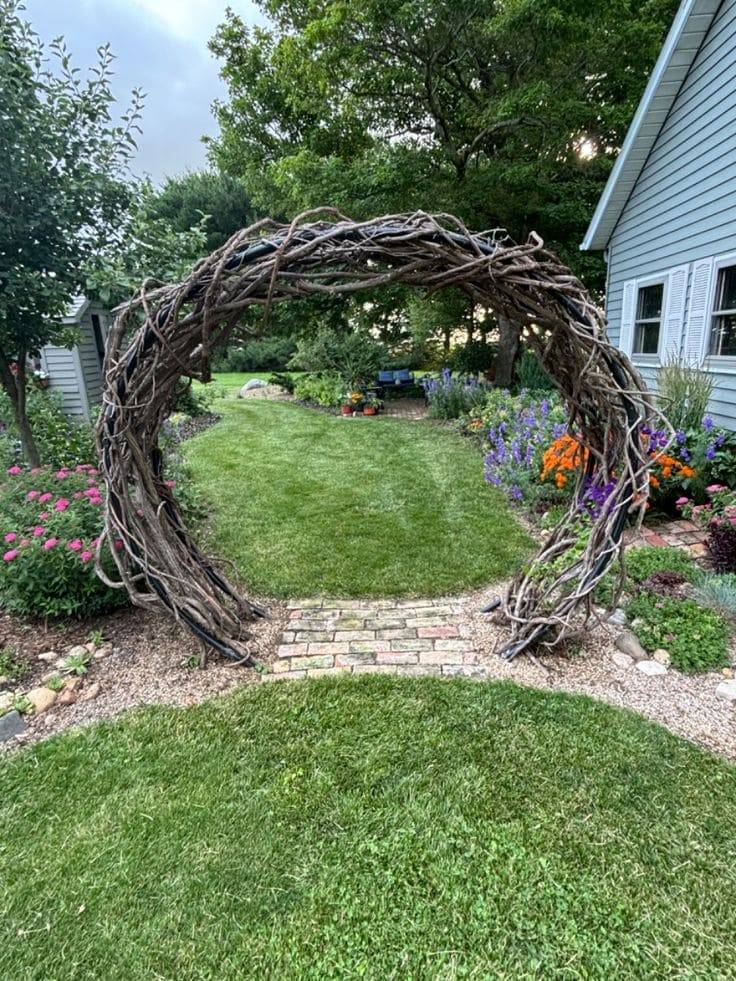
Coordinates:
[227,384]
[307,503]
[374,828]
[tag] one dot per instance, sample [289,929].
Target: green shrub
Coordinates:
[261,354]
[282,379]
[325,388]
[356,357]
[50,523]
[684,393]
[532,376]
[194,402]
[473,358]
[697,639]
[61,441]
[641,563]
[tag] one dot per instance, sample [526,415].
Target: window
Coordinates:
[723,324]
[648,318]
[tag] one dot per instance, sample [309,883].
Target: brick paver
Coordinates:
[408,637]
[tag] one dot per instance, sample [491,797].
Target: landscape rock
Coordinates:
[651,667]
[629,644]
[41,699]
[621,659]
[250,385]
[48,657]
[662,656]
[618,618]
[4,681]
[79,650]
[71,684]
[728,673]
[727,689]
[67,697]
[90,692]
[6,699]
[90,647]
[11,724]
[103,652]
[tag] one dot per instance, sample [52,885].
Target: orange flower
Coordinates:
[560,480]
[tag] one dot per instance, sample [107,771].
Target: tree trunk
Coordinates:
[15,386]
[508,348]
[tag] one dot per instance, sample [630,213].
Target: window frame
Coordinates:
[659,279]
[718,361]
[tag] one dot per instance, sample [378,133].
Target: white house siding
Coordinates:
[683,206]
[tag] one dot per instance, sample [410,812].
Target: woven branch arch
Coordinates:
[324,252]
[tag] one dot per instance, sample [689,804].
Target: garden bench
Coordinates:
[394,379]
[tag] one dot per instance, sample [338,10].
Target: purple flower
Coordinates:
[707,424]
[710,452]
[680,436]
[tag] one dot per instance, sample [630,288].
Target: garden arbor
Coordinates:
[323,252]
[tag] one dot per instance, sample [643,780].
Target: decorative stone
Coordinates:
[629,644]
[11,724]
[41,699]
[662,656]
[618,618]
[90,647]
[727,689]
[4,681]
[249,386]
[728,673]
[622,660]
[90,692]
[6,699]
[103,652]
[71,684]
[48,657]
[651,667]
[79,650]
[66,698]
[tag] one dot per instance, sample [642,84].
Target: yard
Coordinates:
[307,504]
[370,827]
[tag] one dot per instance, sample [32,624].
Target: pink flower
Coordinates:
[91,492]
[62,504]
[14,470]
[9,556]
[25,541]
[91,481]
[61,474]
[37,470]
[714,488]
[81,467]
[31,495]
[45,497]
[39,530]
[680,501]
[169,483]
[75,545]
[94,471]
[10,537]
[95,542]
[77,495]
[119,544]
[85,556]
[43,515]
[50,543]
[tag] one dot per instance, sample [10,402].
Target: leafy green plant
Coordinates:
[96,637]
[644,562]
[282,379]
[325,388]
[76,664]
[697,639]
[61,441]
[194,402]
[532,376]
[450,398]
[56,683]
[22,704]
[11,667]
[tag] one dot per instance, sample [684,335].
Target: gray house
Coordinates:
[76,374]
[667,217]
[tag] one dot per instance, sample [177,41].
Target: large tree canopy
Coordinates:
[63,186]
[505,112]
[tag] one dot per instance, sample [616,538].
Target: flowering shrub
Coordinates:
[718,515]
[514,431]
[449,398]
[61,441]
[50,523]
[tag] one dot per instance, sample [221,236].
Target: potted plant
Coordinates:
[371,404]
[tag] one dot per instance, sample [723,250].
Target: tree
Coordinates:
[63,186]
[508,113]
[220,199]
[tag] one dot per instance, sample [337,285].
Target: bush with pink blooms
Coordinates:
[719,517]
[50,524]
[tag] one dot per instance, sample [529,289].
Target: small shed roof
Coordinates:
[686,35]
[76,309]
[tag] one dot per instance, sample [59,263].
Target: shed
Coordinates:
[76,373]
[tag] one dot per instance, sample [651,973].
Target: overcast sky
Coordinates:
[160,46]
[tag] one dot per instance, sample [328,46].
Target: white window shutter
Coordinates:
[628,308]
[698,315]
[673,315]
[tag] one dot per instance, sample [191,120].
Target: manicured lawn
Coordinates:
[372,827]
[227,384]
[307,503]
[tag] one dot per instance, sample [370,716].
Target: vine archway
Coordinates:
[268,263]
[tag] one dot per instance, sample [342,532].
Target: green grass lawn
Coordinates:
[374,828]
[307,503]
[227,384]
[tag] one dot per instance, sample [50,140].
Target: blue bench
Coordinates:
[395,379]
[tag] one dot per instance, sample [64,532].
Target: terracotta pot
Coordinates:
[369,411]
[347,410]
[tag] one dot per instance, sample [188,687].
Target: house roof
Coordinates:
[688,30]
[76,309]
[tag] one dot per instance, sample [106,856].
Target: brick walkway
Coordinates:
[407,637]
[680,534]
[404,408]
